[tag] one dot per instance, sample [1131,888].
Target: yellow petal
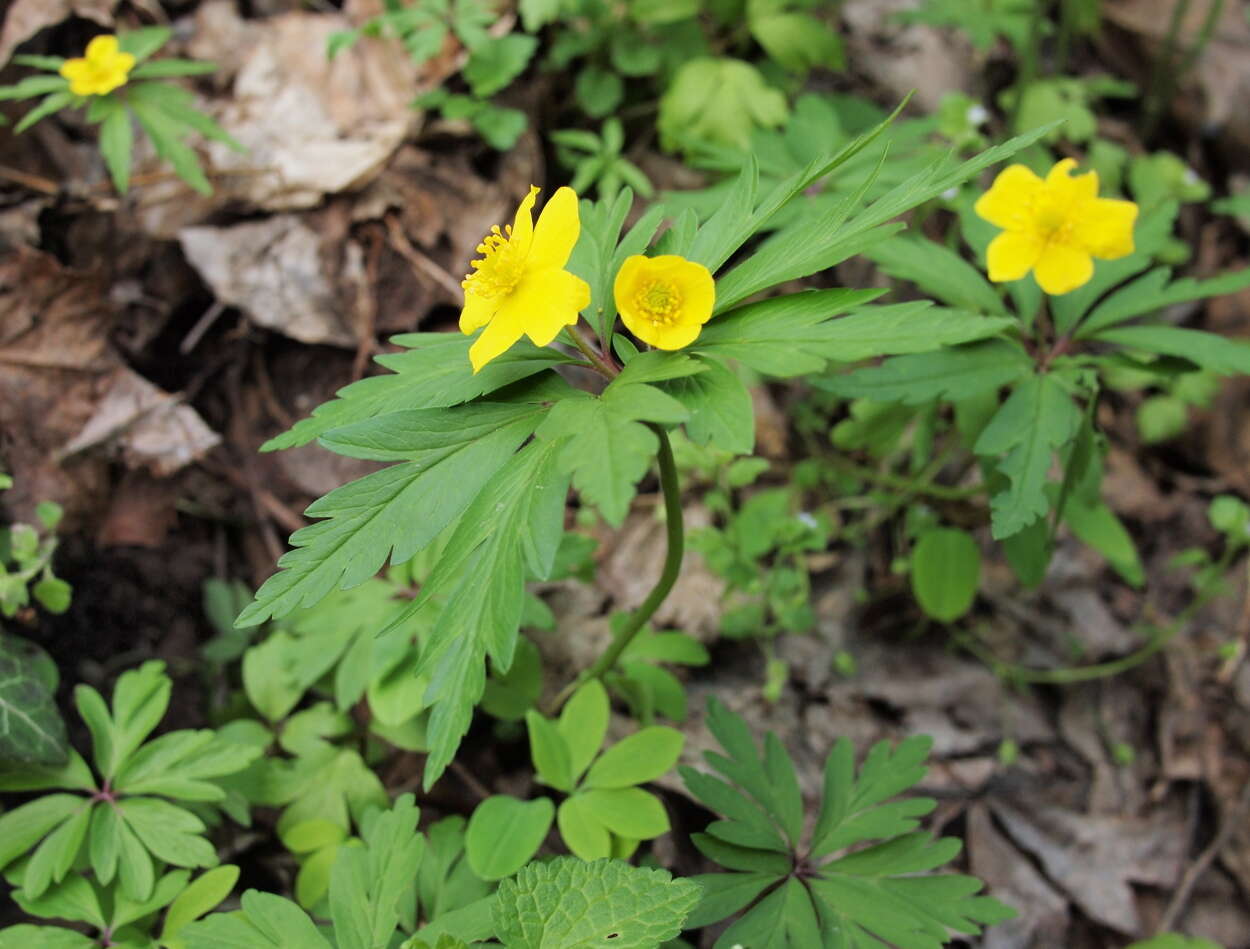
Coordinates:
[1105,228]
[102,49]
[556,231]
[523,223]
[499,336]
[548,301]
[677,336]
[125,63]
[75,69]
[1011,255]
[1069,190]
[1062,268]
[1007,202]
[477,312]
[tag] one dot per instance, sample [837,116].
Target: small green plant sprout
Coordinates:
[26,552]
[115,80]
[118,919]
[1065,100]
[984,21]
[493,61]
[861,871]
[135,817]
[606,813]
[597,162]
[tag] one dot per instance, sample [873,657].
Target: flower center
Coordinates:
[500,267]
[1053,222]
[659,302]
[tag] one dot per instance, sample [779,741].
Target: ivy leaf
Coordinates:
[446,455]
[607,448]
[31,729]
[434,372]
[1037,418]
[571,904]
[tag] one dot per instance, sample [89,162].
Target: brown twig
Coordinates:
[419,261]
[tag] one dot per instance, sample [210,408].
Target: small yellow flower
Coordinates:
[519,287]
[101,69]
[664,301]
[1054,226]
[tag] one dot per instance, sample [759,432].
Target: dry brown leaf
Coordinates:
[1043,912]
[147,427]
[27,17]
[1094,859]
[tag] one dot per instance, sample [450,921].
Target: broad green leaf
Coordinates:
[641,757]
[182,765]
[504,833]
[913,379]
[550,752]
[605,444]
[797,41]
[945,572]
[724,894]
[1099,527]
[1037,418]
[627,812]
[720,407]
[433,372]
[126,910]
[583,724]
[198,899]
[31,729]
[266,922]
[57,853]
[144,42]
[717,101]
[45,937]
[495,63]
[1206,350]
[446,457]
[581,831]
[75,899]
[939,271]
[569,904]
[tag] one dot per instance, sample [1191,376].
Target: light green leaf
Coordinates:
[495,63]
[45,937]
[583,724]
[75,899]
[795,40]
[25,825]
[266,922]
[551,754]
[568,904]
[116,141]
[581,831]
[717,101]
[627,812]
[945,572]
[504,833]
[1037,418]
[201,897]
[170,832]
[1099,527]
[641,757]
[144,42]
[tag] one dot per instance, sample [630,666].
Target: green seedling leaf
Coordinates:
[583,724]
[945,573]
[495,63]
[504,833]
[720,101]
[569,904]
[641,757]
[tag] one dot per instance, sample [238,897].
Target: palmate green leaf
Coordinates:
[1152,292]
[511,530]
[607,447]
[938,271]
[433,372]
[368,883]
[31,729]
[719,404]
[571,904]
[1205,350]
[955,373]
[797,334]
[817,242]
[446,455]
[1038,418]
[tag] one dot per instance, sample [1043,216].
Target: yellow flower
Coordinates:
[1054,226]
[519,287]
[664,301]
[102,68]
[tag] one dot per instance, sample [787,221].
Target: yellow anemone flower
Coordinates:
[665,300]
[100,70]
[1054,227]
[519,287]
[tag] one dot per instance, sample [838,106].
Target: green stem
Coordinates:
[596,359]
[668,576]
[1030,59]
[913,486]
